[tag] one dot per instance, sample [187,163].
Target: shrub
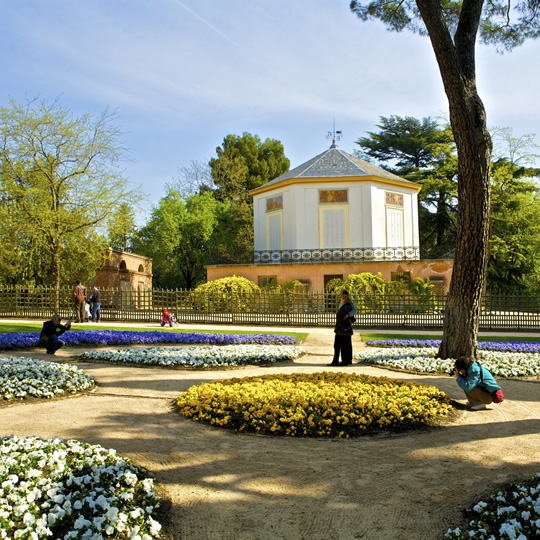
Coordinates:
[228,294]
[320,404]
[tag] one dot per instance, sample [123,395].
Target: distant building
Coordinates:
[123,270]
[333,216]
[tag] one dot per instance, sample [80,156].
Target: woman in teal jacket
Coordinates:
[476,381]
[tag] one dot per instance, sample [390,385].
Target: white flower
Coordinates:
[155,527]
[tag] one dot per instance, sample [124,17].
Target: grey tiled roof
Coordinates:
[333,163]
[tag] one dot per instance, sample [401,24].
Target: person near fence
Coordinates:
[95,299]
[477,382]
[167,318]
[50,333]
[344,332]
[79,301]
[354,311]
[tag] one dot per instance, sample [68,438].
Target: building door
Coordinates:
[394,227]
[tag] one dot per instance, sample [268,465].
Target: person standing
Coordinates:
[50,333]
[79,300]
[95,299]
[344,332]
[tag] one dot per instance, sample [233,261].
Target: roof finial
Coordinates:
[336,135]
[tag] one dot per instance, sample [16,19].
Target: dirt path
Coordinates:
[226,486]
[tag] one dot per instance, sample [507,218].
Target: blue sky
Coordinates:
[183,74]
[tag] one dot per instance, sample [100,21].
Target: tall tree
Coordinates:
[178,238]
[242,163]
[60,175]
[453,28]
[421,151]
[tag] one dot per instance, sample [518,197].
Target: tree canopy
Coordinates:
[60,181]
[178,238]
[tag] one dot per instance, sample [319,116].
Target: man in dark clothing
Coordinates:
[50,333]
[96,305]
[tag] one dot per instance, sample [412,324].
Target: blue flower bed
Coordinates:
[24,340]
[501,346]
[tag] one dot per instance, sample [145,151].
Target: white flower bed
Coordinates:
[200,357]
[21,377]
[513,513]
[58,489]
[501,364]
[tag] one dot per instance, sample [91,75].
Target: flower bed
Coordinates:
[24,340]
[199,357]
[321,404]
[501,346]
[26,377]
[509,513]
[58,489]
[422,360]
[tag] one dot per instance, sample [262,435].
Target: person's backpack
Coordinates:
[498,395]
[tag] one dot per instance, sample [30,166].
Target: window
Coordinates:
[333,230]
[394,219]
[330,277]
[267,280]
[333,218]
[274,203]
[141,268]
[396,276]
[274,229]
[123,266]
[333,196]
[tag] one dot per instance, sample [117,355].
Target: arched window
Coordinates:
[141,268]
[123,265]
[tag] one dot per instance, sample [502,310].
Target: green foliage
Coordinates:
[365,283]
[514,263]
[245,163]
[60,183]
[230,294]
[121,228]
[178,238]
[334,285]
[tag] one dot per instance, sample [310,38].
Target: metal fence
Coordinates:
[306,308]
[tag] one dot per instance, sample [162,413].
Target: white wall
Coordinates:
[367,214]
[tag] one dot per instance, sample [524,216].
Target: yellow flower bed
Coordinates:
[322,404]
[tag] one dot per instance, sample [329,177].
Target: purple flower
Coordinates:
[500,346]
[24,340]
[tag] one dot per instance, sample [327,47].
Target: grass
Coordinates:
[366,336]
[12,327]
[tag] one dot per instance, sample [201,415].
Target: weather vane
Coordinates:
[336,135]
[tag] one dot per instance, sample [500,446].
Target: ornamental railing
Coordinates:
[307,256]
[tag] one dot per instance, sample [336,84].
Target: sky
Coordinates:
[183,74]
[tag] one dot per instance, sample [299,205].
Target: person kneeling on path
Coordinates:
[49,337]
[477,382]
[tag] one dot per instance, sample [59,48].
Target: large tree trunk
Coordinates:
[456,60]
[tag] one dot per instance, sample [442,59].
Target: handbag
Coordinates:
[345,329]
